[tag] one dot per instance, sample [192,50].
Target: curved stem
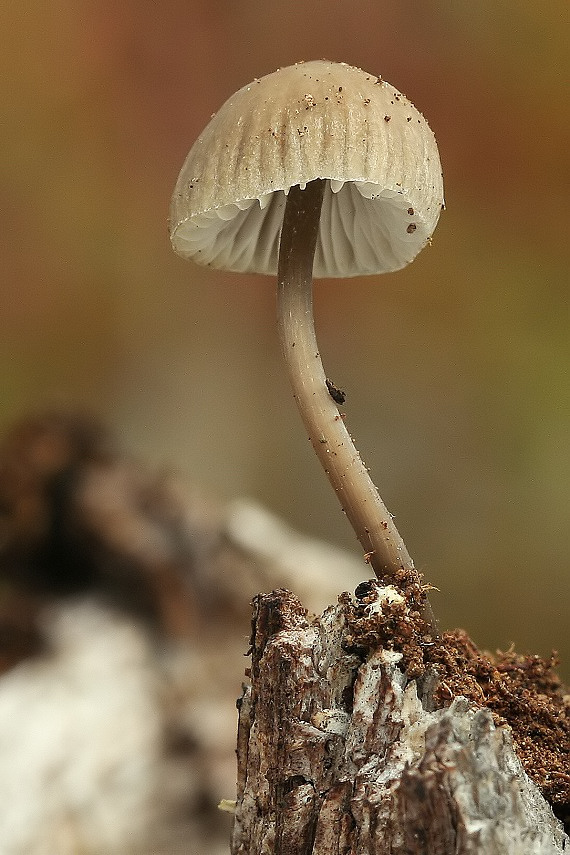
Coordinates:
[383,547]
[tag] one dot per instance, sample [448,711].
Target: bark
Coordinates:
[340,752]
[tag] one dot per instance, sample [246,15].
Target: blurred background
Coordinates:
[456,369]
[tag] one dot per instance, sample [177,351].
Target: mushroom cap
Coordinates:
[318,119]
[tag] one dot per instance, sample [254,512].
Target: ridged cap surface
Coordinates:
[311,120]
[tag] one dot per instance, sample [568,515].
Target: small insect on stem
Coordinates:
[338,396]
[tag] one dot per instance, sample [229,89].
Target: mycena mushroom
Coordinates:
[319,169]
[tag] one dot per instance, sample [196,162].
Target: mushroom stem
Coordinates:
[384,549]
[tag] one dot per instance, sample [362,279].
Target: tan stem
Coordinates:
[383,547]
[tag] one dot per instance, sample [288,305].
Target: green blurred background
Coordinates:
[456,369]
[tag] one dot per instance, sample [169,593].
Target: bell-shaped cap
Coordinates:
[313,120]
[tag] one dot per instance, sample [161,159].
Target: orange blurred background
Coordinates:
[456,369]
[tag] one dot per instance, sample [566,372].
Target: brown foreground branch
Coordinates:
[339,751]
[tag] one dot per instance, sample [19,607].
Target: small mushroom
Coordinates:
[301,174]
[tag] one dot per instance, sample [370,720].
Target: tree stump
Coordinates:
[342,751]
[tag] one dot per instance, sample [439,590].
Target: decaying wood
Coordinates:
[340,751]
[77,515]
[125,610]
[124,616]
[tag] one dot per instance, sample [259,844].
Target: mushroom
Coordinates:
[318,169]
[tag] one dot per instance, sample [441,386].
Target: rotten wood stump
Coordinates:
[342,752]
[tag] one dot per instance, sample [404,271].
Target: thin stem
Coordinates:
[383,547]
